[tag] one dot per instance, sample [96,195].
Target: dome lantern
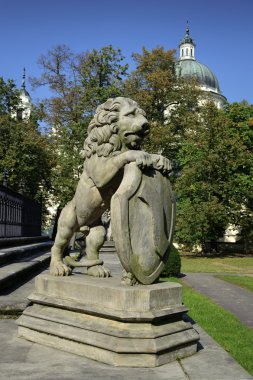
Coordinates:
[188,67]
[187,46]
[25,107]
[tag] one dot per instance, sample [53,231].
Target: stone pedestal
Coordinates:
[101,319]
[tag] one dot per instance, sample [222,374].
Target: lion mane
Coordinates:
[103,138]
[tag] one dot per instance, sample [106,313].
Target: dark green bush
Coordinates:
[173,265]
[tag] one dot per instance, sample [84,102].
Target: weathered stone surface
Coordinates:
[107,356]
[120,325]
[105,325]
[109,297]
[143,218]
[115,135]
[109,341]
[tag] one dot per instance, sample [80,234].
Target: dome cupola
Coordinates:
[187,46]
[188,67]
[25,107]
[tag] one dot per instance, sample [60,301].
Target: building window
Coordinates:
[182,52]
[186,51]
[191,52]
[19,114]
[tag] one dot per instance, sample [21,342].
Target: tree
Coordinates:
[24,152]
[156,86]
[211,159]
[9,97]
[210,156]
[241,121]
[79,83]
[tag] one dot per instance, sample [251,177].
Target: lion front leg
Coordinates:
[57,267]
[94,242]
[67,225]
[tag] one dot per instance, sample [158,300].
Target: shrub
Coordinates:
[173,265]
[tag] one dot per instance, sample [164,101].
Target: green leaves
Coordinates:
[9,97]
[79,84]
[211,183]
[25,153]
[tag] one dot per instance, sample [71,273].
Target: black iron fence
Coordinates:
[19,215]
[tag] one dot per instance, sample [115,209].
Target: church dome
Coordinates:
[190,68]
[25,105]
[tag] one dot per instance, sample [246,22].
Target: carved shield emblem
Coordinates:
[143,218]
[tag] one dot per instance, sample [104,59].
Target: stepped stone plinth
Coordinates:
[137,326]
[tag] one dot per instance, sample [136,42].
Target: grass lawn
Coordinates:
[217,264]
[226,329]
[242,281]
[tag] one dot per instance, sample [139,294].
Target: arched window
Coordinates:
[186,51]
[182,52]
[191,52]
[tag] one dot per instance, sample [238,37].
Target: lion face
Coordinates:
[118,125]
[132,126]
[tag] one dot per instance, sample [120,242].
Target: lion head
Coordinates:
[118,124]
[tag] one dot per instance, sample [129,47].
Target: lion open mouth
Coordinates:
[139,134]
[134,139]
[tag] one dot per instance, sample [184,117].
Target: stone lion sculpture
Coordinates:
[115,136]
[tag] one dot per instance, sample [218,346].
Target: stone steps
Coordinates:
[10,254]
[12,273]
[20,263]
[108,247]
[18,241]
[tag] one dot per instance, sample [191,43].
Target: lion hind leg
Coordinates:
[67,225]
[94,242]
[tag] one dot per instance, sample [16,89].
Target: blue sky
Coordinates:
[222,30]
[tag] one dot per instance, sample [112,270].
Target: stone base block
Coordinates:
[103,320]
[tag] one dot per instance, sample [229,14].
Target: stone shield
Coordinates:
[143,218]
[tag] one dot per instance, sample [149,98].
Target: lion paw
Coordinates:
[99,271]
[58,268]
[128,279]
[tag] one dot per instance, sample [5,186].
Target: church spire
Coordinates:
[23,79]
[187,45]
[25,101]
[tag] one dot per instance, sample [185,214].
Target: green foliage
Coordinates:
[211,150]
[240,117]
[24,152]
[155,86]
[79,83]
[9,97]
[67,143]
[173,264]
[210,160]
[26,155]
[153,81]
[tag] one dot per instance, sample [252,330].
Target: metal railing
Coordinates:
[19,215]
